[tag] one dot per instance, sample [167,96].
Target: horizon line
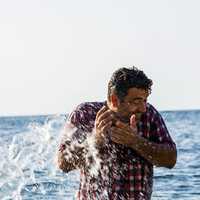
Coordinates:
[54,114]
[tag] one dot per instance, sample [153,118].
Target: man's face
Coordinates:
[133,103]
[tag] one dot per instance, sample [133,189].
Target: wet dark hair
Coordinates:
[125,78]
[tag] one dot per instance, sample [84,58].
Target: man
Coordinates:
[116,143]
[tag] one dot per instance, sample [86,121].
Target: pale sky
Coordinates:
[57,54]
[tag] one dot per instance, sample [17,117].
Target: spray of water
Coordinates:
[27,167]
[85,141]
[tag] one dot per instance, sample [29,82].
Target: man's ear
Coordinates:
[114,101]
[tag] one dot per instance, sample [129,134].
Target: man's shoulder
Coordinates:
[84,114]
[88,107]
[151,110]
[154,115]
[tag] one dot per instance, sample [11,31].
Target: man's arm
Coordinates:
[70,159]
[162,155]
[64,165]
[71,153]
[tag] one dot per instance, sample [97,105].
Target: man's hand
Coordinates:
[123,133]
[103,123]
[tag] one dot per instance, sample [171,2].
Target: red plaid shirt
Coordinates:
[123,174]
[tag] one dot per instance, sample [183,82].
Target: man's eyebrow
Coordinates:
[136,98]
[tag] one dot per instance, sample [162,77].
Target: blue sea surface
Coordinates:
[28,169]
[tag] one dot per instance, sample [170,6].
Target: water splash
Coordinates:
[28,161]
[84,141]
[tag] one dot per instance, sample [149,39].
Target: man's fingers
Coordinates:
[116,132]
[102,110]
[104,115]
[99,113]
[106,127]
[115,138]
[121,124]
[133,121]
[104,121]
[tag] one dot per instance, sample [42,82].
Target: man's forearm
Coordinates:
[64,164]
[162,155]
[71,160]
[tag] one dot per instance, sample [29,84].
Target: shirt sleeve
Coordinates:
[75,129]
[73,146]
[159,131]
[81,117]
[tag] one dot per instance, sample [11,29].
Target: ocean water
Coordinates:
[28,170]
